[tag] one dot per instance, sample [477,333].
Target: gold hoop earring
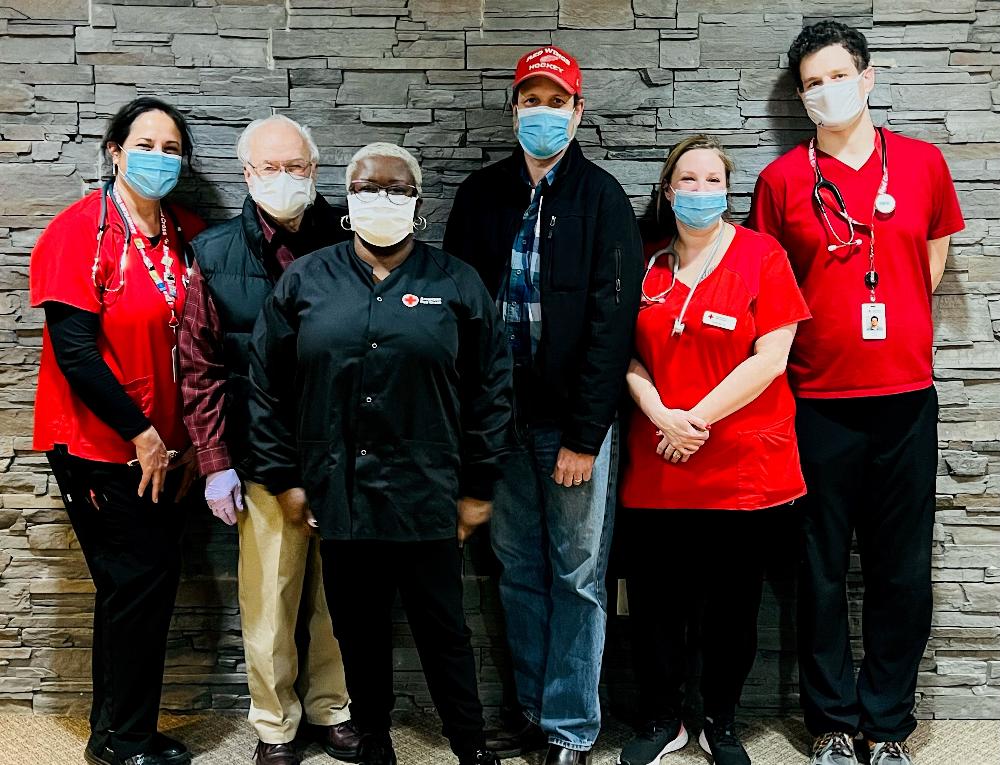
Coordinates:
[420,223]
[345,223]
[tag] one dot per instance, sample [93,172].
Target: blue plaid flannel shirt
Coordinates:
[520,299]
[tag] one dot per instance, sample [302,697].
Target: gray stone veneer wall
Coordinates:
[433,75]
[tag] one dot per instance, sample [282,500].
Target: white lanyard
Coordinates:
[675,267]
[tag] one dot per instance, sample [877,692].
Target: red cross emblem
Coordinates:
[410,300]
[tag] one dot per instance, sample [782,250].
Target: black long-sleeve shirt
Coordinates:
[386,401]
[73,332]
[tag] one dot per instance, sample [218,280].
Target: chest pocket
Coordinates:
[566,247]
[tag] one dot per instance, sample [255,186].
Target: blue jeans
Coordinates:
[553,543]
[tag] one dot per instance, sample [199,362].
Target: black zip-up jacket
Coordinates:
[591,270]
[386,401]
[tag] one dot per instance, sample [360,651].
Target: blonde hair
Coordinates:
[664,213]
[383,149]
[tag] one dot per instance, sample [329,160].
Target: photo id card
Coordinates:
[873,321]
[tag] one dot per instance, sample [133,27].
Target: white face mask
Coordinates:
[381,222]
[283,197]
[835,105]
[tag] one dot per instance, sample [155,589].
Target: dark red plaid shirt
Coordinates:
[202,359]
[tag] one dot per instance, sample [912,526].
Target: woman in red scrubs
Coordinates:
[711,444]
[109,271]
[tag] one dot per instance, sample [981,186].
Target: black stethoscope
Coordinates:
[102,227]
[885,203]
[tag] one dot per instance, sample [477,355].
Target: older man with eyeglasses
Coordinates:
[280,572]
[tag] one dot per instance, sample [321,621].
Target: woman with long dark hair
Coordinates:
[109,271]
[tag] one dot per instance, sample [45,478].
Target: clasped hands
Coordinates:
[681,433]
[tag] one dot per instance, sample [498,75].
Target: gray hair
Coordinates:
[243,144]
[383,149]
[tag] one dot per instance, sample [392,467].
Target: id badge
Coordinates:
[873,321]
[720,320]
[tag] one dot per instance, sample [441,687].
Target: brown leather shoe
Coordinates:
[341,741]
[276,754]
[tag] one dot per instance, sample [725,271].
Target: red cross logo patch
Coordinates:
[410,300]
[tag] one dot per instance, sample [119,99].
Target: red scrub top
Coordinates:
[829,358]
[751,459]
[135,338]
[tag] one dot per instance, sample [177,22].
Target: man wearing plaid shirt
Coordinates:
[520,299]
[554,238]
[280,572]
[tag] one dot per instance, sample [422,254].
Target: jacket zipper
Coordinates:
[618,275]
[552,226]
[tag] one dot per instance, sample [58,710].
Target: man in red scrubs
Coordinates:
[866,216]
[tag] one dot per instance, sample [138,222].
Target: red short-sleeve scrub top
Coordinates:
[830,358]
[751,459]
[135,338]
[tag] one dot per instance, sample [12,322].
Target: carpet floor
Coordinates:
[229,740]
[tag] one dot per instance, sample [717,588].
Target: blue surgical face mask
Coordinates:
[699,209]
[152,174]
[543,131]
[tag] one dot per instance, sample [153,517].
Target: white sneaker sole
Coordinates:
[678,743]
[703,743]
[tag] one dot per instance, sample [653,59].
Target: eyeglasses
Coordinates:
[298,168]
[397,193]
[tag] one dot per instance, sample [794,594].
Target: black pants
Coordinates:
[870,466]
[717,554]
[361,580]
[132,548]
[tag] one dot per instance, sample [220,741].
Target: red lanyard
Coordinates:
[166,285]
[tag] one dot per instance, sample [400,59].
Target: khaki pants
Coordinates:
[281,577]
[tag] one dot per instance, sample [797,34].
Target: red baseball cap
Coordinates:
[551,62]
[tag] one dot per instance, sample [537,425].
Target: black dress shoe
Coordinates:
[376,749]
[559,755]
[517,740]
[479,757]
[171,750]
[165,751]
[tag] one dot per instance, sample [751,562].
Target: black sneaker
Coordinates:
[719,739]
[652,741]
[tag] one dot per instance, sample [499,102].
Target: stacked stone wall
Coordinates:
[434,75]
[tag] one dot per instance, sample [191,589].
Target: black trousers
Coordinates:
[132,548]
[870,466]
[719,555]
[361,579]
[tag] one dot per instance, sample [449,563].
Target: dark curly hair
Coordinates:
[821,34]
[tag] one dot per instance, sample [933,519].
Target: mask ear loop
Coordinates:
[345,223]
[420,223]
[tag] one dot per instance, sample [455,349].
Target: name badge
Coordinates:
[873,325]
[720,320]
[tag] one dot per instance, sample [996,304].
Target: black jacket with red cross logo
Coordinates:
[386,401]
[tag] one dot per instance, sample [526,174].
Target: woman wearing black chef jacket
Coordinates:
[380,401]
[110,274]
